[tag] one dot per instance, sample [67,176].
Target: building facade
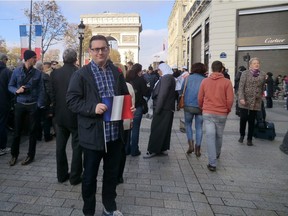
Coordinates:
[234,31]
[122,31]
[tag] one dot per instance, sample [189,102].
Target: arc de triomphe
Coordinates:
[124,28]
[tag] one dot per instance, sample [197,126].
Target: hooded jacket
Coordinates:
[216,95]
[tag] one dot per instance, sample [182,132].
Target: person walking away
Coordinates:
[66,121]
[151,77]
[5,102]
[141,90]
[27,84]
[236,86]
[191,107]
[269,90]
[163,108]
[251,88]
[215,98]
[98,139]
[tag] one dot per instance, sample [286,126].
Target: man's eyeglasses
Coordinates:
[97,50]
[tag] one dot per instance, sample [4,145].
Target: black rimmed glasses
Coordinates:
[102,49]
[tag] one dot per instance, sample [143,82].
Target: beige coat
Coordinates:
[251,90]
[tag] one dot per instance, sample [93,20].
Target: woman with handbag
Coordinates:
[134,77]
[191,108]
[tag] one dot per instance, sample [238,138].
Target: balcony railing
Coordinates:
[194,10]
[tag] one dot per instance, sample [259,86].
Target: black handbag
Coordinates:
[144,106]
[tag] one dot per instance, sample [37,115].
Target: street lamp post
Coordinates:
[81,28]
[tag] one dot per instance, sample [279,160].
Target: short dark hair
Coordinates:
[98,37]
[133,73]
[217,66]
[199,68]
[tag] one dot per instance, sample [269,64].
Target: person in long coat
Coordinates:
[269,90]
[66,121]
[251,88]
[163,109]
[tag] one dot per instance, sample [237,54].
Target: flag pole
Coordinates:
[30,27]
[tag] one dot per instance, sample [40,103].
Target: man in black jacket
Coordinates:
[66,121]
[5,102]
[99,139]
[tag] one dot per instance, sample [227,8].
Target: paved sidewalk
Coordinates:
[249,180]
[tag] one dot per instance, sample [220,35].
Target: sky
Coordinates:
[154,17]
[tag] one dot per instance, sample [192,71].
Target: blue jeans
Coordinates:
[198,126]
[136,130]
[214,126]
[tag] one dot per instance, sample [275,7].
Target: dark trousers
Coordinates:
[160,134]
[247,116]
[269,102]
[126,138]
[111,161]
[21,111]
[4,113]
[63,134]
[44,123]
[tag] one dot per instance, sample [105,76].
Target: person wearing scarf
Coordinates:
[251,88]
[163,112]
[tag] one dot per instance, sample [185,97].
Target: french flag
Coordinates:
[23,39]
[119,108]
[38,40]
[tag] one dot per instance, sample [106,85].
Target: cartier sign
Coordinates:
[274,40]
[263,40]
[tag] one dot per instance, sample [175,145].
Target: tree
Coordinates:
[52,55]
[3,47]
[72,37]
[54,24]
[14,56]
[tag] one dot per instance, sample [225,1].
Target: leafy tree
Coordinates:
[72,37]
[54,24]
[52,55]
[3,47]
[14,56]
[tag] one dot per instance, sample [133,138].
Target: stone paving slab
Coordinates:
[249,180]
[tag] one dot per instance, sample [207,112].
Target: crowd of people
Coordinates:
[69,101]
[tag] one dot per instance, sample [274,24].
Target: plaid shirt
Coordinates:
[105,82]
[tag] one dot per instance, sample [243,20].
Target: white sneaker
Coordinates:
[149,155]
[5,151]
[114,213]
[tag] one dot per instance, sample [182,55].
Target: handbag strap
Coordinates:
[185,85]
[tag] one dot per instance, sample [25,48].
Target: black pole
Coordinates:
[80,51]
[30,27]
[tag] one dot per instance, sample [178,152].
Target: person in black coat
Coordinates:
[269,90]
[66,121]
[164,107]
[99,139]
[5,102]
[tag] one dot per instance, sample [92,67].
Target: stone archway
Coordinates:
[120,29]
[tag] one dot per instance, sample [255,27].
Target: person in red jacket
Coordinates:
[215,98]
